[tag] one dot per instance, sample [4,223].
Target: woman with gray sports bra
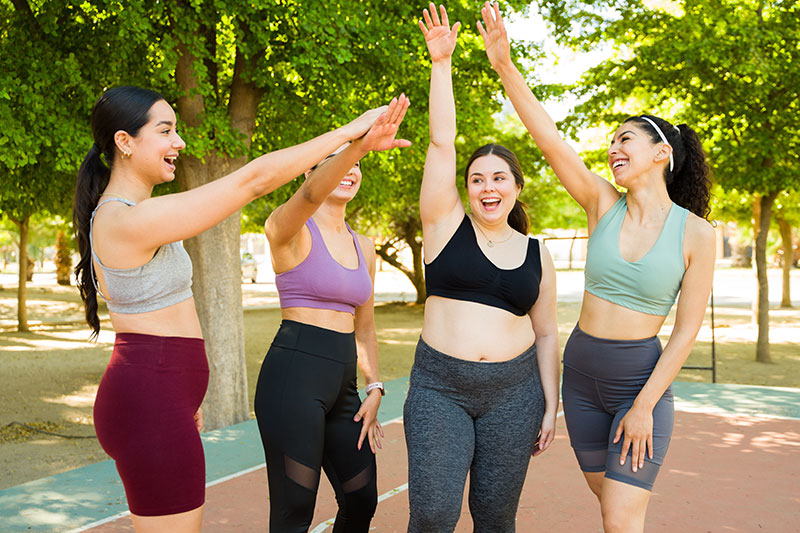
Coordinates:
[645,246]
[146,413]
[483,391]
[309,413]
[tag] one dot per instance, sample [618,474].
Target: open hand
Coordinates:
[381,136]
[368,415]
[637,428]
[495,38]
[439,37]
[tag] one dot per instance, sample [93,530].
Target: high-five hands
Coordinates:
[495,38]
[439,37]
[381,136]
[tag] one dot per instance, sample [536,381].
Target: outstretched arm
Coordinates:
[285,222]
[439,200]
[588,189]
[174,217]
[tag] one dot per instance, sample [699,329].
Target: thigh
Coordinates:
[504,441]
[588,422]
[440,441]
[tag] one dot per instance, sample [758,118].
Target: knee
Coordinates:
[433,514]
[618,519]
[360,504]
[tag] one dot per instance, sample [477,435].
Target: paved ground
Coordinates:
[734,466]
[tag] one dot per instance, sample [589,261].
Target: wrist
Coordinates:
[504,67]
[442,61]
[375,386]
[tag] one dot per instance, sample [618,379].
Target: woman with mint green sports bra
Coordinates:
[147,410]
[309,413]
[645,246]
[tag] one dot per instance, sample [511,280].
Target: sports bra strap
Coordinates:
[91,241]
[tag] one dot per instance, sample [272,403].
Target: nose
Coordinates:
[178,142]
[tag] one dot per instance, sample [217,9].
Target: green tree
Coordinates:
[727,68]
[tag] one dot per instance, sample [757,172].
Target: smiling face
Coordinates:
[633,153]
[154,149]
[349,184]
[491,188]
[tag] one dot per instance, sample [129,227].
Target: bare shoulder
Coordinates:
[367,246]
[699,231]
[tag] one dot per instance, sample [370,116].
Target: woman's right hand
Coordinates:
[439,37]
[358,127]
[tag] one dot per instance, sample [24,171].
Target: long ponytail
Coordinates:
[125,108]
[688,182]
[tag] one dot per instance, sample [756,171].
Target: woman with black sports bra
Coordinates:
[309,412]
[146,413]
[644,247]
[483,390]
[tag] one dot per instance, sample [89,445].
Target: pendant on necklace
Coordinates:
[490,244]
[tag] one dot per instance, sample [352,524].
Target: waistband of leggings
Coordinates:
[464,373]
[611,359]
[165,351]
[317,341]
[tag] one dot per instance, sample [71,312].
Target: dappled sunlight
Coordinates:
[82,398]
[771,441]
[684,473]
[395,342]
[733,439]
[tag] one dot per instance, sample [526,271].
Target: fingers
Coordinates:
[636,455]
[434,14]
[422,26]
[481,30]
[361,435]
[443,11]
[650,444]
[454,31]
[626,445]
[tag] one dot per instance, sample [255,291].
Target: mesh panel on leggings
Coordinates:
[592,460]
[643,477]
[360,480]
[301,474]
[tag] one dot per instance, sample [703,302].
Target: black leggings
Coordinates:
[306,398]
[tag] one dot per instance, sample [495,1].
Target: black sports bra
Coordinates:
[461,271]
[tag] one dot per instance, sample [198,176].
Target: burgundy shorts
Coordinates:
[144,419]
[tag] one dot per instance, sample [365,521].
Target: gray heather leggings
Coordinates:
[464,416]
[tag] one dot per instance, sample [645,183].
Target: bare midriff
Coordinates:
[475,332]
[604,319]
[178,320]
[340,321]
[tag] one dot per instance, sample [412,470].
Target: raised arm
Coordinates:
[285,222]
[174,217]
[439,200]
[588,189]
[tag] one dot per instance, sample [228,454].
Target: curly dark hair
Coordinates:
[688,183]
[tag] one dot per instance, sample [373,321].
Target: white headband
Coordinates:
[663,139]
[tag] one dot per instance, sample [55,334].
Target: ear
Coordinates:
[663,153]
[123,142]
[307,173]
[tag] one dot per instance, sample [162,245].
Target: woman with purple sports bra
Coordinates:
[645,246]
[147,411]
[307,405]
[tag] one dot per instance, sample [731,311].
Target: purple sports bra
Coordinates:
[320,282]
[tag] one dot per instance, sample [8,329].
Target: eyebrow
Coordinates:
[167,122]
[493,173]
[623,133]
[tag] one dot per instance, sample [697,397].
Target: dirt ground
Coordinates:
[50,375]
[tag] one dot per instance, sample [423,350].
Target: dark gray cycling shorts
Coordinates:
[601,380]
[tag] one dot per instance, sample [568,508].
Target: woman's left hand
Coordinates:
[546,434]
[381,136]
[637,426]
[371,427]
[198,419]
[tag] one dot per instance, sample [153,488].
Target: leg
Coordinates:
[440,440]
[595,482]
[188,522]
[504,440]
[351,471]
[623,506]
[290,410]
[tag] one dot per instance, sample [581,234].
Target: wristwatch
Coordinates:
[375,385]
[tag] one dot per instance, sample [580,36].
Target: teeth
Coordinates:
[619,164]
[346,183]
[491,201]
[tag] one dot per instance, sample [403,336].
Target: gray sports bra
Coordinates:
[163,281]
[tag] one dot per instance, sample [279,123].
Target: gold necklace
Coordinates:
[490,243]
[112,195]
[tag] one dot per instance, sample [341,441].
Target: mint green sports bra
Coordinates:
[649,285]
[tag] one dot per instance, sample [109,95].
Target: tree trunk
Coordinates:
[762,345]
[788,259]
[215,253]
[22,284]
[63,259]
[407,232]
